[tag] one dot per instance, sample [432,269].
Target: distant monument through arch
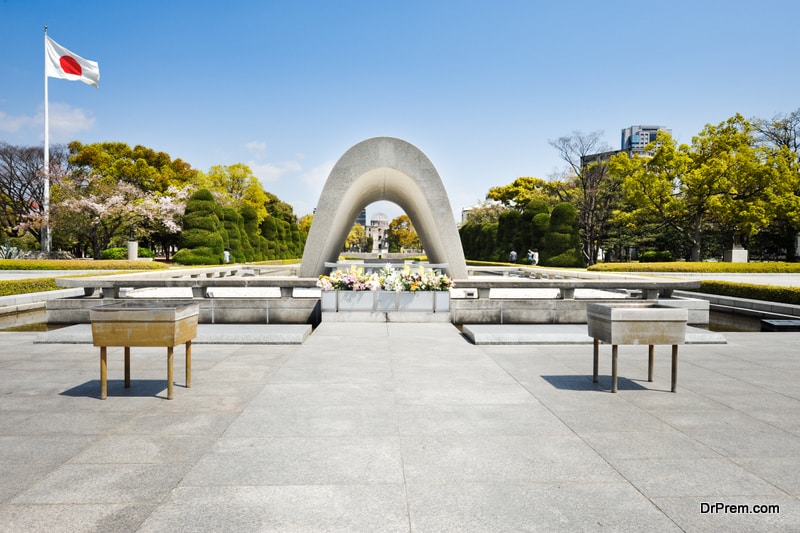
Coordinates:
[384,168]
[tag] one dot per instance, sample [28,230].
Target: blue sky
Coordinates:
[479,86]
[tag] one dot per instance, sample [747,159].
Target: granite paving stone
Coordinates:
[399,427]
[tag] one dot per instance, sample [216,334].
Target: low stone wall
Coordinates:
[212,310]
[507,298]
[288,310]
[552,311]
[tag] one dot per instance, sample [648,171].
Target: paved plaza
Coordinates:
[401,427]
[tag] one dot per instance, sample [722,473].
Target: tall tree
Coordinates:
[780,131]
[725,178]
[783,131]
[525,189]
[596,193]
[240,186]
[402,234]
[95,210]
[143,167]
[356,239]
[163,216]
[22,186]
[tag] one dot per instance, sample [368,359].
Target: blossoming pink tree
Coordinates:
[162,216]
[96,210]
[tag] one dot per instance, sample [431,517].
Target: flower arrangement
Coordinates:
[387,279]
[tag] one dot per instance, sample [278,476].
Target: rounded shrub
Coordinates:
[202,241]
[121,252]
[652,256]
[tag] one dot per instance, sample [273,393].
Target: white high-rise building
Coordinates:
[635,138]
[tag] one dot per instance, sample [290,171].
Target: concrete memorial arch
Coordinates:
[384,168]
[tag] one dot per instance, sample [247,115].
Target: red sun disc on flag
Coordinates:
[70,66]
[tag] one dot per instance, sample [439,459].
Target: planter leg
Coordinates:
[170,376]
[596,364]
[127,367]
[650,350]
[614,368]
[188,364]
[674,366]
[103,372]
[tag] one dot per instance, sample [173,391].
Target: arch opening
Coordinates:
[384,168]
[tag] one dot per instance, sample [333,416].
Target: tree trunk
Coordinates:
[697,238]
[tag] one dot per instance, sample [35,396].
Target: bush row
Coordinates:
[121,252]
[701,267]
[751,291]
[656,257]
[11,287]
[78,264]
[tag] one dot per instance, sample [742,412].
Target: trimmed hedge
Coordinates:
[653,256]
[121,252]
[680,266]
[203,237]
[562,243]
[751,291]
[10,287]
[78,264]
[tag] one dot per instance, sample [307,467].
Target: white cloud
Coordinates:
[316,177]
[66,121]
[13,124]
[258,147]
[270,172]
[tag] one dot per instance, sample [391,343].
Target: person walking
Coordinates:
[512,257]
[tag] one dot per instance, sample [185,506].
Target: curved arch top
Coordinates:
[384,168]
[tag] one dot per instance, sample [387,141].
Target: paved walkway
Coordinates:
[401,427]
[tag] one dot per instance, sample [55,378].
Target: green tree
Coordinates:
[305,223]
[725,180]
[402,235]
[780,238]
[240,186]
[356,238]
[108,166]
[140,166]
[526,189]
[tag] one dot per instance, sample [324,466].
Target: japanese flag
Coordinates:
[61,63]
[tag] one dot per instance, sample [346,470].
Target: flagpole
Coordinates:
[45,235]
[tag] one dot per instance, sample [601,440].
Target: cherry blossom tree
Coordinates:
[162,216]
[95,210]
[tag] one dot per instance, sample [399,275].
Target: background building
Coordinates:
[378,229]
[362,218]
[635,138]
